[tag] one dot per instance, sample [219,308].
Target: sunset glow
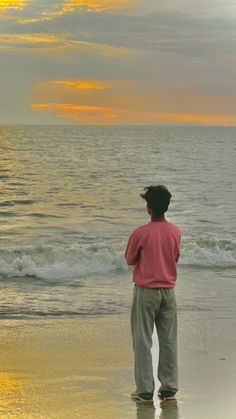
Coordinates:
[80,6]
[30,38]
[80,113]
[6,5]
[102,101]
[123,62]
[99,115]
[77,84]
[59,42]
[82,84]
[97,5]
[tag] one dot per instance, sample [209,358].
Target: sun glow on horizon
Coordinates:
[124,101]
[90,114]
[102,115]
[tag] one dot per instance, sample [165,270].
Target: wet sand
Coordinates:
[82,368]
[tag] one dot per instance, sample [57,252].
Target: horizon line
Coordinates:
[114,125]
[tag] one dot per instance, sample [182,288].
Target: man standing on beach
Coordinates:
[153,251]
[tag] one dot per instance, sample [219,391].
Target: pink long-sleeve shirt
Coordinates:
[153,250]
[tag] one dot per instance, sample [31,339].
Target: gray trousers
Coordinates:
[154,306]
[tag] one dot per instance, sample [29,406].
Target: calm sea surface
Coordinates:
[69,199]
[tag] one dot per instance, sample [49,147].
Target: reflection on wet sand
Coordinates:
[145,411]
[169,410]
[12,395]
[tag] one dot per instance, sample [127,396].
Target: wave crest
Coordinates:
[58,261]
[210,252]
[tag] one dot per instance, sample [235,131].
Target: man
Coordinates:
[153,250]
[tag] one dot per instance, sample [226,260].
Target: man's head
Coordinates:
[158,199]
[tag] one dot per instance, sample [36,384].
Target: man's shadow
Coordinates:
[169,410]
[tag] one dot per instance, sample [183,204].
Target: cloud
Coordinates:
[80,113]
[9,5]
[29,38]
[204,9]
[100,115]
[62,8]
[54,43]
[97,6]
[86,52]
[101,102]
[83,84]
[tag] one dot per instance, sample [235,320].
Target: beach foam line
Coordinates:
[57,261]
[208,252]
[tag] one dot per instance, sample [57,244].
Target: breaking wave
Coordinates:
[59,261]
[209,252]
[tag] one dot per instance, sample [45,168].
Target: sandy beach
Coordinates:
[83,367]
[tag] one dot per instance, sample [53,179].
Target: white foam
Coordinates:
[58,261]
[51,262]
[208,253]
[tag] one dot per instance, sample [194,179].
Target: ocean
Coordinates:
[69,200]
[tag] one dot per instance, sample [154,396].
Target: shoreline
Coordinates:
[66,368]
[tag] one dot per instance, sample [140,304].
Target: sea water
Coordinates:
[69,199]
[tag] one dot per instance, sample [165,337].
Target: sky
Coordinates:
[107,62]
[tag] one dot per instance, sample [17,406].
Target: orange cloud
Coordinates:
[81,113]
[6,5]
[80,6]
[68,107]
[55,43]
[176,118]
[97,5]
[30,38]
[99,115]
[84,84]
[94,101]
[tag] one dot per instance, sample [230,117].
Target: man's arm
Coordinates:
[177,257]
[178,250]
[132,251]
